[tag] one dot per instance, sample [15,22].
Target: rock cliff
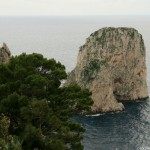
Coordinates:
[111,64]
[4,54]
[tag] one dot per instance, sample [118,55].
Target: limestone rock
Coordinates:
[111,64]
[4,54]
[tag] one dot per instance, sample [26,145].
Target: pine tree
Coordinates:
[38,109]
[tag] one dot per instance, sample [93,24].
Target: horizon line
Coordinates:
[74,15]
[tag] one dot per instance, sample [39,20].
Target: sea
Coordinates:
[60,38]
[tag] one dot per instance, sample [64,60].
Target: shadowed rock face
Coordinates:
[4,54]
[111,64]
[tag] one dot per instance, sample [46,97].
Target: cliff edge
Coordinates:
[112,65]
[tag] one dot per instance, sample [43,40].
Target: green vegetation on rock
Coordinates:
[92,68]
[142,46]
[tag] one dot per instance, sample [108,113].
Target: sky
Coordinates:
[73,7]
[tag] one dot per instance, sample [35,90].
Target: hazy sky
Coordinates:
[74,7]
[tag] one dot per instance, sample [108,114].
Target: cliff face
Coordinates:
[112,65]
[4,54]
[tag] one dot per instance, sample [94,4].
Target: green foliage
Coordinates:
[93,67]
[112,48]
[13,144]
[7,142]
[131,33]
[37,111]
[4,126]
[102,39]
[142,47]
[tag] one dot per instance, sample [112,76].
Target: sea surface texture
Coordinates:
[60,38]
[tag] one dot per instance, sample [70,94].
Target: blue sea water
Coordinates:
[60,38]
[127,130]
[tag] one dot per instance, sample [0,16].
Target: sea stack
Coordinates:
[5,53]
[111,64]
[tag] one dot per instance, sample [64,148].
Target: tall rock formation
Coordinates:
[4,54]
[111,64]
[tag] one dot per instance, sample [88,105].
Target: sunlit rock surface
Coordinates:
[4,53]
[112,65]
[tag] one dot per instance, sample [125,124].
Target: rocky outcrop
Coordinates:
[111,64]
[4,54]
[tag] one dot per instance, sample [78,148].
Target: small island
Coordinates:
[111,64]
